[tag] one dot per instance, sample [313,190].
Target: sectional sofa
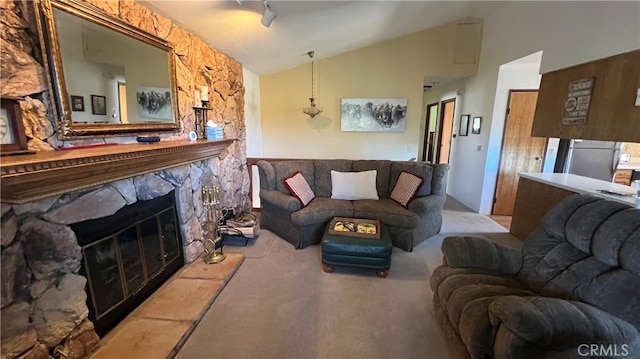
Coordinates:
[302,225]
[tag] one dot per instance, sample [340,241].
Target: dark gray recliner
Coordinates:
[571,292]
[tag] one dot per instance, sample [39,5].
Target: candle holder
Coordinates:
[201,119]
[213,242]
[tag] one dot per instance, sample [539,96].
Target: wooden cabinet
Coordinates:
[533,200]
[623,177]
[612,114]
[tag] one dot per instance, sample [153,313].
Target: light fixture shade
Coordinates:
[312,110]
[267,16]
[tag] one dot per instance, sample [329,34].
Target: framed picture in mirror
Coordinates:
[98,105]
[77,103]
[464,125]
[12,134]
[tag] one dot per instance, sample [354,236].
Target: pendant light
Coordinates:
[312,110]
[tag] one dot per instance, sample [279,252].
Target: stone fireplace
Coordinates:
[127,256]
[44,293]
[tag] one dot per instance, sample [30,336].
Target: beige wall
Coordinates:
[392,69]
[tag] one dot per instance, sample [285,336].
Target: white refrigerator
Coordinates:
[594,159]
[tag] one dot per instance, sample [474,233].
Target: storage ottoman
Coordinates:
[357,252]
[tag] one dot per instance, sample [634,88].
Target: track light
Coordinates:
[268,15]
[239,2]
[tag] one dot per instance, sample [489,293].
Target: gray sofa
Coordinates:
[284,215]
[573,291]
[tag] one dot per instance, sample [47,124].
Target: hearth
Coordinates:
[127,256]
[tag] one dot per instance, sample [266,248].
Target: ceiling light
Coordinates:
[312,110]
[268,15]
[239,2]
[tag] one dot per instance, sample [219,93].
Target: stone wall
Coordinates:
[43,297]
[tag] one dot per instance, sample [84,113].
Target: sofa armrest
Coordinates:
[426,204]
[267,175]
[560,324]
[480,253]
[280,200]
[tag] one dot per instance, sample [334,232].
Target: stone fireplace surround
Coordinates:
[43,297]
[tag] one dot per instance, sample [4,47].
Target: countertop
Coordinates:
[628,167]
[580,184]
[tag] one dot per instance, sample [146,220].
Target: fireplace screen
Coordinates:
[138,252]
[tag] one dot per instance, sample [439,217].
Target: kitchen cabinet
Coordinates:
[612,113]
[623,177]
[539,192]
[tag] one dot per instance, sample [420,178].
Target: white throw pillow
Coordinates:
[354,185]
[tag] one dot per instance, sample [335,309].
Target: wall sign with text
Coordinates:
[576,107]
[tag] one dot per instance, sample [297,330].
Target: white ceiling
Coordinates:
[326,27]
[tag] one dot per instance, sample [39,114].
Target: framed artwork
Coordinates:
[98,105]
[373,115]
[77,103]
[464,125]
[154,102]
[475,125]
[12,134]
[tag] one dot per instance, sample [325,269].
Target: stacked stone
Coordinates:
[43,296]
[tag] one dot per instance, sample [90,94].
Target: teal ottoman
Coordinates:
[356,252]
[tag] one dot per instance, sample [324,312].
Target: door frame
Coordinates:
[427,153]
[504,132]
[441,127]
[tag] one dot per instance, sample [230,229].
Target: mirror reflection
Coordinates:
[107,77]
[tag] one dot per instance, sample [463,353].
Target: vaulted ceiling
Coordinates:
[326,27]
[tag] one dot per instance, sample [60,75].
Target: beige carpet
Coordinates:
[280,304]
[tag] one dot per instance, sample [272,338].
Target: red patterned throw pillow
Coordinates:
[406,188]
[299,188]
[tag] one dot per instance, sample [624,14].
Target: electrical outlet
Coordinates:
[479,148]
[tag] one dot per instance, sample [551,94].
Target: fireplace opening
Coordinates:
[127,256]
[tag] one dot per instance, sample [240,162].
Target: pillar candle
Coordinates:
[196,99]
[204,93]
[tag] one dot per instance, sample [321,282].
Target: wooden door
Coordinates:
[520,151]
[446,130]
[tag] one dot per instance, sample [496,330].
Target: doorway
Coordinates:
[445,131]
[520,152]
[430,133]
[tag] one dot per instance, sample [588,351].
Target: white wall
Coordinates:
[568,33]
[521,74]
[252,113]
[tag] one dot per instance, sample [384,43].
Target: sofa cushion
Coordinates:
[299,188]
[354,185]
[323,174]
[416,168]
[383,167]
[406,188]
[387,211]
[286,169]
[320,210]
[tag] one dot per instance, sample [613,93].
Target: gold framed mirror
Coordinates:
[106,77]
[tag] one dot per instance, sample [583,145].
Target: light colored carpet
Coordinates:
[282,305]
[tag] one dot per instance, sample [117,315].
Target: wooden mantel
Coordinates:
[30,177]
